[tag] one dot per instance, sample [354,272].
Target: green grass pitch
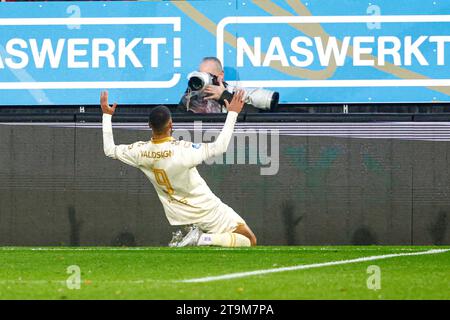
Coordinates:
[155,273]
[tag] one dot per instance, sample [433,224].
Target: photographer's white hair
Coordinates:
[216,61]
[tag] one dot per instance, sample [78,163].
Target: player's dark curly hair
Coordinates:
[159,117]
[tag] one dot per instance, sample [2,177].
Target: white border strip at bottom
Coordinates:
[92,84]
[309,266]
[340,83]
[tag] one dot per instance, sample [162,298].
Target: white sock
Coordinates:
[223,240]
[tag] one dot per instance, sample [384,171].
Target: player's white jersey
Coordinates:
[170,166]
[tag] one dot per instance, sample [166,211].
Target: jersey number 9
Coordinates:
[163,180]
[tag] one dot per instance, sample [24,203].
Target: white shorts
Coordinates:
[223,220]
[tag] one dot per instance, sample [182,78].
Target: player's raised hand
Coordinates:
[237,102]
[104,104]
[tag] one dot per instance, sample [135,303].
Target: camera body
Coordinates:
[198,81]
[257,97]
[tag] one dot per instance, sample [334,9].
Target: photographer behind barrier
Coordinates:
[207,91]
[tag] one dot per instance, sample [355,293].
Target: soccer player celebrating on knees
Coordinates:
[170,165]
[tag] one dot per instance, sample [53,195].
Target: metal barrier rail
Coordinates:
[250,117]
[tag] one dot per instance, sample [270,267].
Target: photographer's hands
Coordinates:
[237,103]
[215,92]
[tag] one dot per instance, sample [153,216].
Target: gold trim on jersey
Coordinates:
[233,239]
[182,201]
[162,140]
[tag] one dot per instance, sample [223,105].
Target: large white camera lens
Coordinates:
[198,80]
[262,99]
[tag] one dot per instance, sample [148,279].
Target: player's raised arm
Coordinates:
[124,153]
[108,140]
[195,155]
[223,140]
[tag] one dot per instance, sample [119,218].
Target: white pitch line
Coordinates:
[308,266]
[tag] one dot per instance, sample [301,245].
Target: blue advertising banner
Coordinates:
[310,51]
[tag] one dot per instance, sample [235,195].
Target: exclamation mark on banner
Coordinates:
[177,52]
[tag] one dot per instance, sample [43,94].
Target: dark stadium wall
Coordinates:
[58,188]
